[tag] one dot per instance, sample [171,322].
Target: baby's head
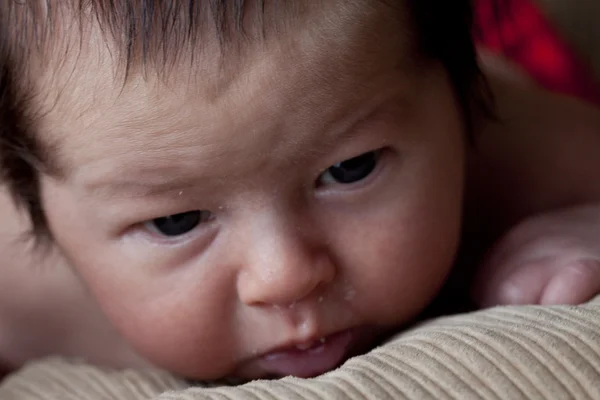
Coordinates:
[236,181]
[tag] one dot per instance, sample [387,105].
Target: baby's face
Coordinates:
[269,222]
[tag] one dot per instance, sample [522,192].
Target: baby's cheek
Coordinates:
[171,316]
[174,331]
[404,270]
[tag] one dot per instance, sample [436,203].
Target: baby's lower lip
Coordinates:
[323,356]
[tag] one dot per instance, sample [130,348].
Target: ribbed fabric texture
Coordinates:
[502,353]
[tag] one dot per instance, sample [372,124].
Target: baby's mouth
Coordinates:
[309,359]
[312,345]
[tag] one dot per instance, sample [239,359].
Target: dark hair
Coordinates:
[155,31]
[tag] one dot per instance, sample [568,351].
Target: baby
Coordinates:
[257,189]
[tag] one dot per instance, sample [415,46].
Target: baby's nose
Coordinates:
[283,268]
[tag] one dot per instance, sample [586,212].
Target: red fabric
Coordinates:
[519,31]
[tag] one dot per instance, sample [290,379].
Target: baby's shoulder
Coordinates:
[541,152]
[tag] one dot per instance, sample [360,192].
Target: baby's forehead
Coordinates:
[307,60]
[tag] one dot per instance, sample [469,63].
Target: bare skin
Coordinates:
[536,180]
[520,172]
[45,309]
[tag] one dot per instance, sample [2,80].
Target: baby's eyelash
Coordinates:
[352,170]
[176,225]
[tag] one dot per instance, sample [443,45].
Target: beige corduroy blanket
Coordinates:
[502,353]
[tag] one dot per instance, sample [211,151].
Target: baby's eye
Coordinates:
[178,224]
[351,170]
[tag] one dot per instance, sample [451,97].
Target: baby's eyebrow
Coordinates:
[129,187]
[352,127]
[159,181]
